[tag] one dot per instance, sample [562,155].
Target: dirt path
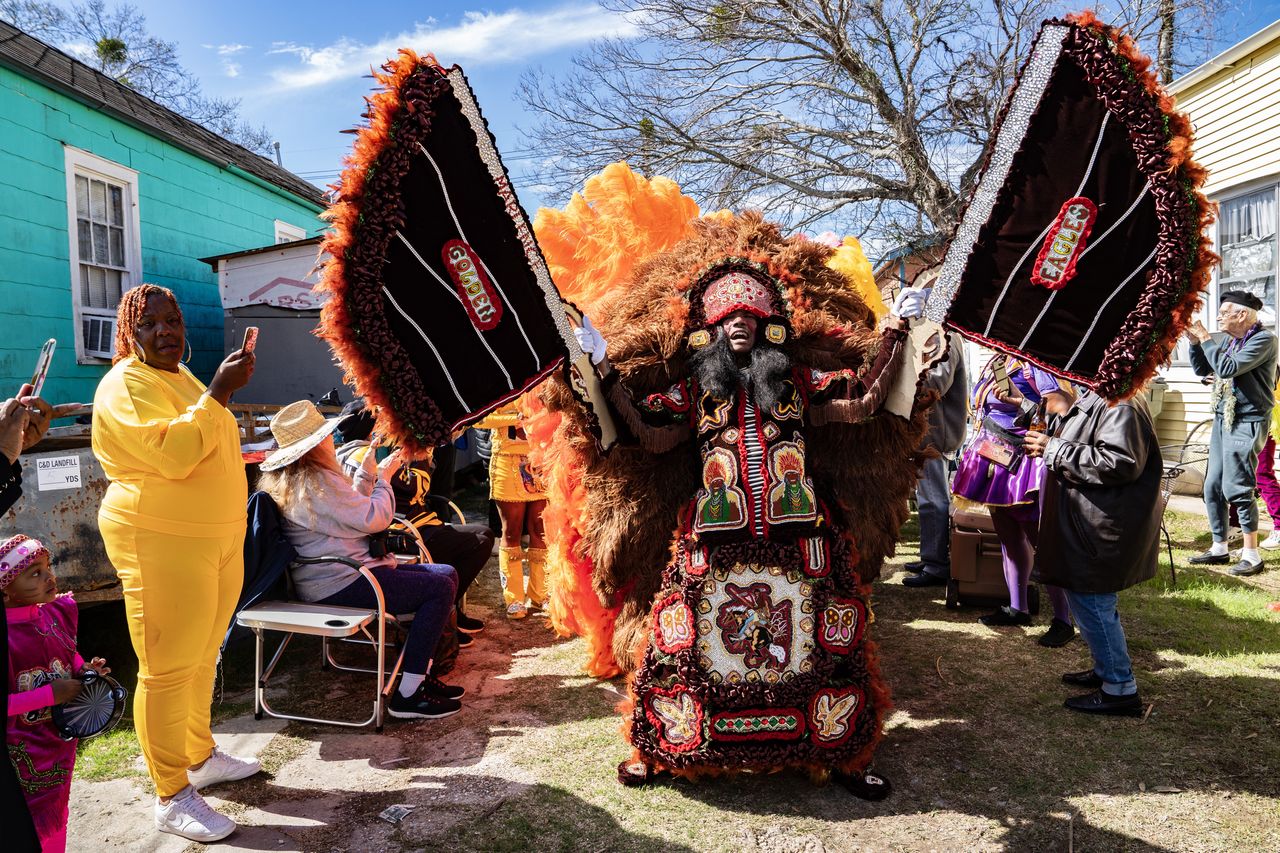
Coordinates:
[979,749]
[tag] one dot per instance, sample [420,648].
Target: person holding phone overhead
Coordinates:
[24,419]
[173,522]
[996,472]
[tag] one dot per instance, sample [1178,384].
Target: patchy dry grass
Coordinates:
[110,756]
[982,755]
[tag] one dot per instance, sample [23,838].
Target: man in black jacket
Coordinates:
[1099,523]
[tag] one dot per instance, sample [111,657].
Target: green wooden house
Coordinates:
[102,189]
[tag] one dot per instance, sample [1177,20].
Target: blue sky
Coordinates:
[299,67]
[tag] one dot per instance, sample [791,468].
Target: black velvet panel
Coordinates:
[468,194]
[1047,171]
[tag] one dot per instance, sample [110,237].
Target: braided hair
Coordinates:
[129,312]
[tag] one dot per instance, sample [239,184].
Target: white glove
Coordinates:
[590,340]
[910,302]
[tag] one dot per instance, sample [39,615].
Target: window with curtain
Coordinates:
[1246,241]
[1247,244]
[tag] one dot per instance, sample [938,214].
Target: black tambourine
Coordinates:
[96,710]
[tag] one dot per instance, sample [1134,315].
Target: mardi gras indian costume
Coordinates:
[752,642]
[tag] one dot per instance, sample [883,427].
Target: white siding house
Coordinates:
[1234,104]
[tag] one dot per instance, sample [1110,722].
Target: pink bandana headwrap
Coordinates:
[16,554]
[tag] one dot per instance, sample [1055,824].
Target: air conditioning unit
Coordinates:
[99,334]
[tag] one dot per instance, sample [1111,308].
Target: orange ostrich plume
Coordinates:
[619,218]
[591,247]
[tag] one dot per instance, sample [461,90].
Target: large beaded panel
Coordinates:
[758,658]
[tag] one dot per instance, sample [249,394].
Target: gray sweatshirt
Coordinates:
[1252,368]
[338,522]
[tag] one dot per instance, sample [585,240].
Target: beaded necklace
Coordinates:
[1224,390]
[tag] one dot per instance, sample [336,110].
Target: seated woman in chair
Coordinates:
[466,547]
[328,513]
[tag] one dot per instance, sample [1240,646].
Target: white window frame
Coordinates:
[86,164]
[287,232]
[1240,191]
[1181,367]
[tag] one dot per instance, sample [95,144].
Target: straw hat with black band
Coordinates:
[297,428]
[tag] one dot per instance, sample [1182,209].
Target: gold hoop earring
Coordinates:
[139,352]
[187,341]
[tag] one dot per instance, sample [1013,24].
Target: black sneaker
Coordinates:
[464,639]
[437,689]
[1006,616]
[420,706]
[469,624]
[1059,634]
[923,579]
[1101,702]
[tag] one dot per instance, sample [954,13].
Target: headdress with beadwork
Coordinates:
[736,284]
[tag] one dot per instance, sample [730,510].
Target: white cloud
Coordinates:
[480,37]
[225,49]
[231,69]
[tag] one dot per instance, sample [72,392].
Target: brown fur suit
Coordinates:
[864,471]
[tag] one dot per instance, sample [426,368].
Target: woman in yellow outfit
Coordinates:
[173,522]
[518,491]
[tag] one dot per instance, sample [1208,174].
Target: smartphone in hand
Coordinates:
[43,362]
[250,339]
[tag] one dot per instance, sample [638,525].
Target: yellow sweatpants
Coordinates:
[179,595]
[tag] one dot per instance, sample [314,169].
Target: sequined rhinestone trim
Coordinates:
[524,229]
[1026,97]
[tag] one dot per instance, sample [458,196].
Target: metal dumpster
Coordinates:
[62,486]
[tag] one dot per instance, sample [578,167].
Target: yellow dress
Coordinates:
[511,478]
[173,522]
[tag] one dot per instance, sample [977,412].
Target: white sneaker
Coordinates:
[222,768]
[517,610]
[188,816]
[1272,542]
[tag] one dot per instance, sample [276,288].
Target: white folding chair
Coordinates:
[328,622]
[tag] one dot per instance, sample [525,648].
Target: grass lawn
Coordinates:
[980,751]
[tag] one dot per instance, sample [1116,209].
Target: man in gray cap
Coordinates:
[1243,364]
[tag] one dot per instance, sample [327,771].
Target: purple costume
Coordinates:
[42,647]
[985,482]
[1013,499]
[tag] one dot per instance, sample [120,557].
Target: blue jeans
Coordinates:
[427,591]
[933,500]
[1099,623]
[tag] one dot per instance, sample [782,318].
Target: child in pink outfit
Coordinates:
[43,670]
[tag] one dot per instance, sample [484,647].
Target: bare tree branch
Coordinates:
[866,115]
